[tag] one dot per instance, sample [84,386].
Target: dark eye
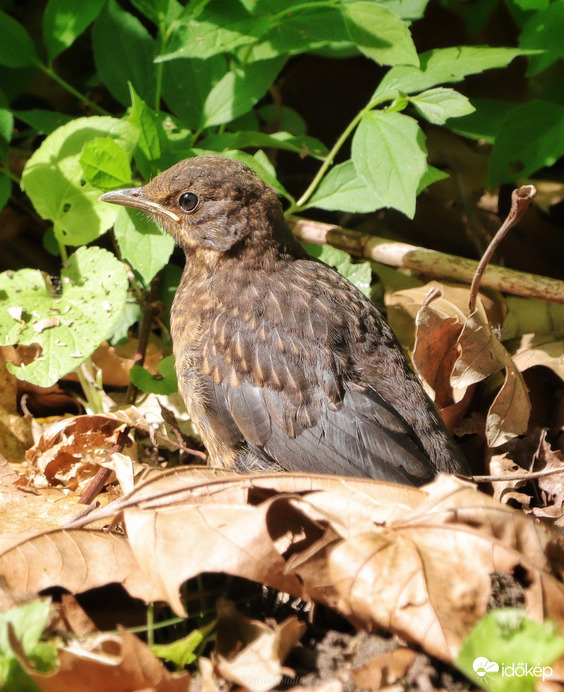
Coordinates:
[188,201]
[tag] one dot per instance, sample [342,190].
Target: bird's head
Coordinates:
[207,202]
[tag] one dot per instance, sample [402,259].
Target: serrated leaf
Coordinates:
[105,164]
[124,52]
[444,66]
[220,28]
[379,33]
[65,20]
[52,178]
[196,76]
[543,31]
[302,145]
[16,47]
[388,151]
[530,137]
[94,290]
[238,91]
[343,189]
[358,273]
[152,142]
[439,104]
[147,382]
[431,175]
[142,243]
[486,120]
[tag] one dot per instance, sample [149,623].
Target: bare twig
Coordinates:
[434,264]
[517,476]
[520,200]
[144,333]
[97,483]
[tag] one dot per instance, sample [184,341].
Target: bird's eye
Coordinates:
[188,201]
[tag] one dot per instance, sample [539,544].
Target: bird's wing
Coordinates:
[281,370]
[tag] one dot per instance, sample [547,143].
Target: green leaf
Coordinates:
[183,651]
[129,315]
[486,120]
[515,645]
[282,118]
[297,33]
[543,31]
[185,76]
[53,181]
[260,167]
[431,175]
[70,326]
[159,11]
[530,137]
[389,153]
[147,382]
[16,47]
[358,273]
[343,189]
[105,164]
[65,20]
[152,142]
[27,623]
[142,243]
[410,10]
[303,145]
[444,66]
[439,104]
[379,33]
[45,122]
[220,28]
[124,52]
[238,91]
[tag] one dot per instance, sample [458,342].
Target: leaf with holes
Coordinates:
[67,327]
[54,182]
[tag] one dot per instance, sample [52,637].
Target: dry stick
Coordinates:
[435,264]
[516,477]
[520,200]
[97,483]
[144,333]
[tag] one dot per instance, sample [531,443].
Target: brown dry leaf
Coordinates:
[15,430]
[258,664]
[418,562]
[482,354]
[385,669]
[110,663]
[540,349]
[71,450]
[76,560]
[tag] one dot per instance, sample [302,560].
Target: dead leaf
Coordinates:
[482,354]
[112,663]
[540,349]
[250,652]
[45,323]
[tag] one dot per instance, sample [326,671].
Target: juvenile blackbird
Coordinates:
[282,363]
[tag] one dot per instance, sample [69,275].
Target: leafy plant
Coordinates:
[192,78]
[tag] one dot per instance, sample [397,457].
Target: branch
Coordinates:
[430,262]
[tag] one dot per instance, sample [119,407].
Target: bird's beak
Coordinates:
[135,197]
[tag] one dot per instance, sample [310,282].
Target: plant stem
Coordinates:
[300,204]
[4,170]
[68,87]
[87,379]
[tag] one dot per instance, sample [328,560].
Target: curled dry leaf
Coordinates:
[71,450]
[482,354]
[73,559]
[112,663]
[418,562]
[258,665]
[540,349]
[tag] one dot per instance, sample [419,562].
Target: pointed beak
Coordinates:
[135,197]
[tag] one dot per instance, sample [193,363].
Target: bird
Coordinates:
[283,364]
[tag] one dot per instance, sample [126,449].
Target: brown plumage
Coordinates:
[282,362]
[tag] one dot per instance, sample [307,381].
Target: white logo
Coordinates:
[483,667]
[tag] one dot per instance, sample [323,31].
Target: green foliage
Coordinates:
[194,77]
[522,649]
[67,326]
[358,273]
[27,624]
[164,383]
